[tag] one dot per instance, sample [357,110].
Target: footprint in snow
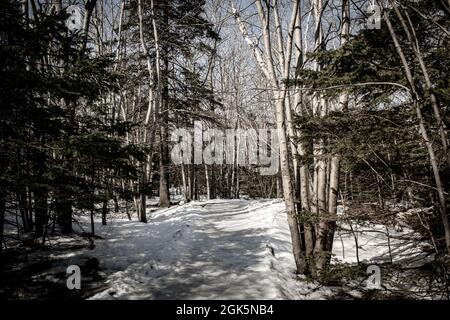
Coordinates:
[177,235]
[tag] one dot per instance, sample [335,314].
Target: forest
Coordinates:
[237,149]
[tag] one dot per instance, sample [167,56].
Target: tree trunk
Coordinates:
[279,185]
[142,194]
[116,204]
[92,223]
[332,202]
[104,211]
[318,208]
[127,211]
[141,202]
[23,208]
[191,182]
[287,190]
[63,208]
[208,186]
[335,165]
[89,9]
[185,182]
[212,183]
[164,196]
[164,161]
[41,212]
[2,218]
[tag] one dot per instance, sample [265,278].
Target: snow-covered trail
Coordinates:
[220,249]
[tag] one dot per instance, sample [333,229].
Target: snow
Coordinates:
[218,249]
[224,249]
[374,245]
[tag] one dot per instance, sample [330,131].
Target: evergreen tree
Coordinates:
[57,139]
